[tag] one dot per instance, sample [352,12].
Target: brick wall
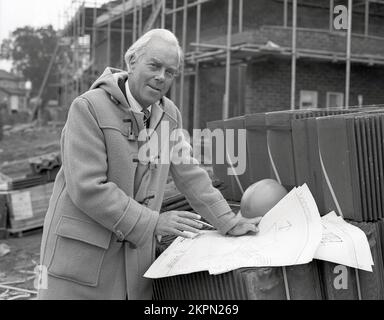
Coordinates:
[211,94]
[101,52]
[268,80]
[269,83]
[212,88]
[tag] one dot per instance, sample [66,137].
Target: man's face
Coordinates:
[153,72]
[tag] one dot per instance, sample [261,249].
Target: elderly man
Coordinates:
[100,230]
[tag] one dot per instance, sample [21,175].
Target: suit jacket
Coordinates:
[98,238]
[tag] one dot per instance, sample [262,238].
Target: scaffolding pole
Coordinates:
[228,62]
[67,67]
[241,7]
[78,57]
[83,22]
[140,20]
[294,54]
[66,100]
[94,17]
[366,19]
[285,51]
[119,29]
[189,5]
[163,9]
[75,53]
[109,37]
[348,61]
[331,6]
[174,4]
[134,29]
[84,86]
[196,102]
[285,13]
[184,46]
[173,89]
[240,68]
[122,45]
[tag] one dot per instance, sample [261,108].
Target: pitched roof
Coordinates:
[9,76]
[14,91]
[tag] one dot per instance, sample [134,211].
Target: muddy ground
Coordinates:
[21,142]
[18,266]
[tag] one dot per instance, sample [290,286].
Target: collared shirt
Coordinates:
[138,108]
[132,101]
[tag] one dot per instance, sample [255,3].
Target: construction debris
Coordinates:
[22,142]
[19,296]
[2,286]
[4,249]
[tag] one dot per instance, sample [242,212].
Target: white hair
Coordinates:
[136,49]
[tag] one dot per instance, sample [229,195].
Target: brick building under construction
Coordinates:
[242,56]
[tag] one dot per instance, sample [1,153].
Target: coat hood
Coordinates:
[108,81]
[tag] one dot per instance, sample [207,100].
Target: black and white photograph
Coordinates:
[192,154]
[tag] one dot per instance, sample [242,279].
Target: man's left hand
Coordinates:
[244,226]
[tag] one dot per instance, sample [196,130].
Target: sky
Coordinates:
[36,13]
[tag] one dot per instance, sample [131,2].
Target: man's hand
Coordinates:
[244,226]
[175,222]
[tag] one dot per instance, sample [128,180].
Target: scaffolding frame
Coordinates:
[220,50]
[132,11]
[76,27]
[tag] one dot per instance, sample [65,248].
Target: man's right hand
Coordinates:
[175,222]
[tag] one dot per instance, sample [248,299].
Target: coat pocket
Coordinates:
[79,251]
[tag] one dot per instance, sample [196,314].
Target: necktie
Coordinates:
[147,116]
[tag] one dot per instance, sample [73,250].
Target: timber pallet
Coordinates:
[19,233]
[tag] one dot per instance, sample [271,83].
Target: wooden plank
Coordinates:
[17,289]
[27,207]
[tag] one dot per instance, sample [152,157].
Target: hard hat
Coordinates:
[261,197]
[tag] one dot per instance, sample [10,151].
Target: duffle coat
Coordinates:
[98,237]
